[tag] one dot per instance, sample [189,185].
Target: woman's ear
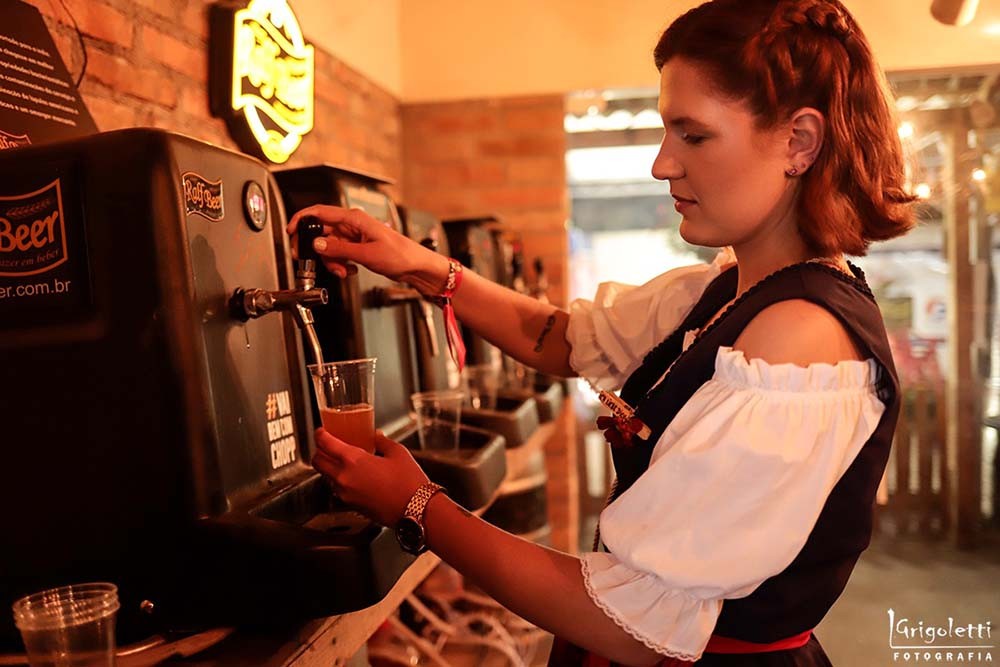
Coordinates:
[807,128]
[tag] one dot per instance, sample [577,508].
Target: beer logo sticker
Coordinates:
[273,77]
[203,197]
[32,232]
[8,140]
[280,428]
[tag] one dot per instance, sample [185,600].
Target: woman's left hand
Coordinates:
[378,486]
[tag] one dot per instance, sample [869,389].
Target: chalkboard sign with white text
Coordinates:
[39,102]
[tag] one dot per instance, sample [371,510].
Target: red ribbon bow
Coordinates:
[619,432]
[456,346]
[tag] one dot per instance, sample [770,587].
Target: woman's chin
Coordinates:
[692,233]
[703,234]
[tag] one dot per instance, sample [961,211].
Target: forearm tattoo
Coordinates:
[549,323]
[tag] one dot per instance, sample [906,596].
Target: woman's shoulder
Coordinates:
[797,331]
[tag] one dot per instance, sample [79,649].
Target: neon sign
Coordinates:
[265,67]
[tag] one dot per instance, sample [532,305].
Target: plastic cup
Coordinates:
[439,416]
[482,382]
[72,626]
[345,395]
[520,376]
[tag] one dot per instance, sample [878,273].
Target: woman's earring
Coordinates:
[791,171]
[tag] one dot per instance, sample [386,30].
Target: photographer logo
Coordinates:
[914,641]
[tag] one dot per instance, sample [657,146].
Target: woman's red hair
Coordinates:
[781,55]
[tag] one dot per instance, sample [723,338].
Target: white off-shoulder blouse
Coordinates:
[735,483]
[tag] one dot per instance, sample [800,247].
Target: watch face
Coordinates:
[410,535]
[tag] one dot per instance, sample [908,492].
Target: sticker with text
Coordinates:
[280,428]
[203,197]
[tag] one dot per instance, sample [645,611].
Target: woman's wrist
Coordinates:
[430,278]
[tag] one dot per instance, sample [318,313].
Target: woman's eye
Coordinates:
[692,139]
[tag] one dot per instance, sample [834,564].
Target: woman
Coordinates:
[765,377]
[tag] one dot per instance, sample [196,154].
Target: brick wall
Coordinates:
[147,65]
[505,156]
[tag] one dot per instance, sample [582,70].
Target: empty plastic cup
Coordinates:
[72,626]
[345,394]
[519,376]
[439,416]
[482,382]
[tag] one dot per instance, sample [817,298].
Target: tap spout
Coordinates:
[253,303]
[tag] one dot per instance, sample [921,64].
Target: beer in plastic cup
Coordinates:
[345,394]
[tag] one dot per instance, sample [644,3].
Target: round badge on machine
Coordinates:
[255,205]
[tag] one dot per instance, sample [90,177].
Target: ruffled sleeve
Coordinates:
[610,335]
[734,487]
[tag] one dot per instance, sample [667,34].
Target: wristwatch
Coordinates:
[410,530]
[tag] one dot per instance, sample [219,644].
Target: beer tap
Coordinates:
[254,302]
[541,288]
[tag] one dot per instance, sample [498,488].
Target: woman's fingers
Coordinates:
[320,211]
[386,446]
[350,223]
[346,236]
[333,248]
[327,466]
[335,449]
[335,254]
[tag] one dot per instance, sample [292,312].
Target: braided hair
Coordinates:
[778,56]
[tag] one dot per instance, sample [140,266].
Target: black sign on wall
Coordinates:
[39,102]
[262,76]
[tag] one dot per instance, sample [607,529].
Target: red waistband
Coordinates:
[719,644]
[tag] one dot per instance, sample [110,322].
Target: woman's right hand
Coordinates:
[351,235]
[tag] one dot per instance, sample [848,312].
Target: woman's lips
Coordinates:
[682,204]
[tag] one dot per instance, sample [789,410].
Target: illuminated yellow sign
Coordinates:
[272,82]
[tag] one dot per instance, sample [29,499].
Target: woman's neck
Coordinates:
[756,263]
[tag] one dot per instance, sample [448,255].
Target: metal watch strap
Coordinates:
[418,503]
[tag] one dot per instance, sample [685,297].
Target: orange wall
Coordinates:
[365,35]
[456,49]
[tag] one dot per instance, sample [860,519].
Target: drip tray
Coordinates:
[515,418]
[472,473]
[548,395]
[301,554]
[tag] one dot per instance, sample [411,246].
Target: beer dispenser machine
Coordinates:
[521,505]
[157,426]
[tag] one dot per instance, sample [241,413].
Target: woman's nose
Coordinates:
[665,166]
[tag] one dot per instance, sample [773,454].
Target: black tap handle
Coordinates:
[517,266]
[309,230]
